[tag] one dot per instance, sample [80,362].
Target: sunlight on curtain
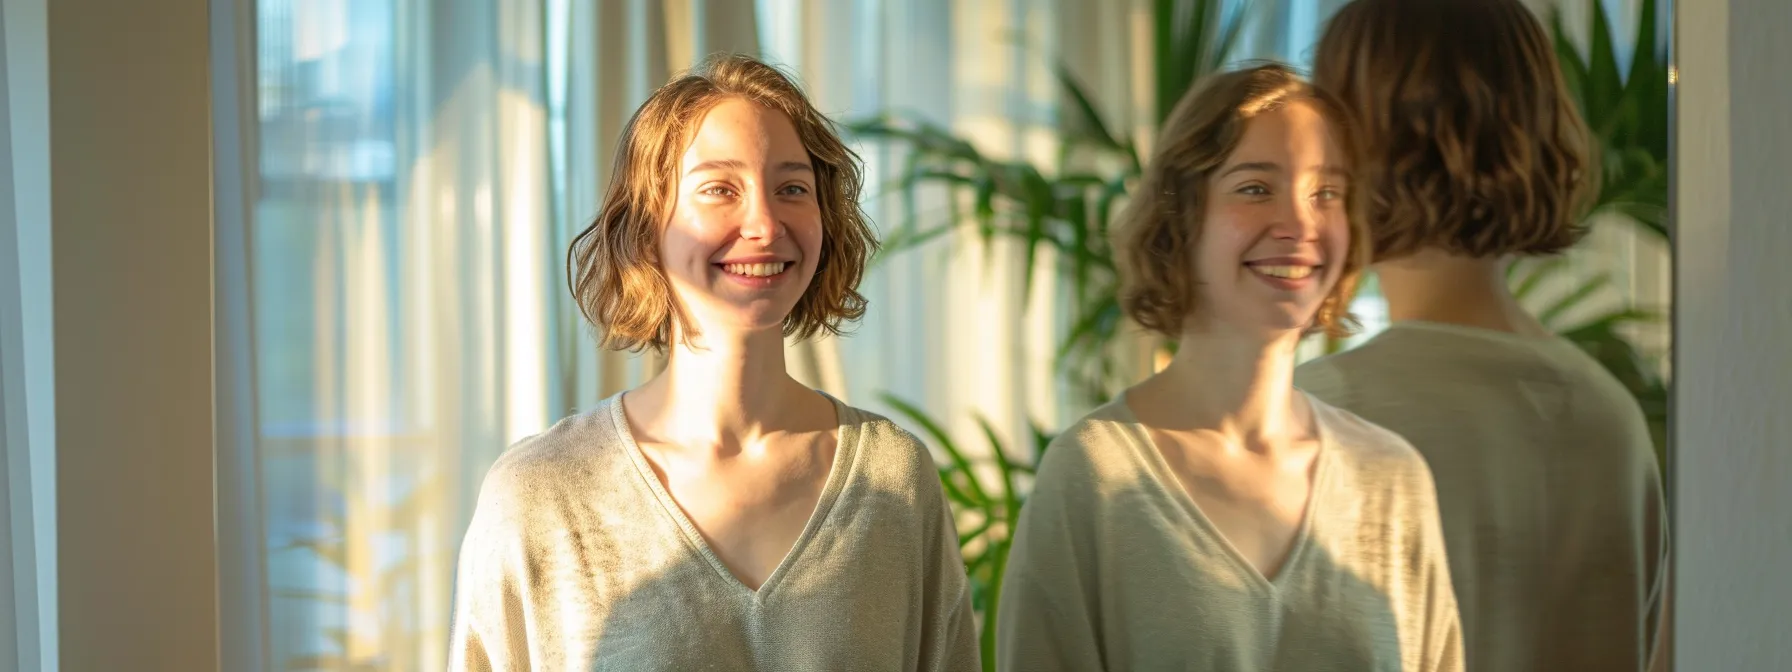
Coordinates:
[423,166]
[402,271]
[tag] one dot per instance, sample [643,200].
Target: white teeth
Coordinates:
[755,270]
[1289,272]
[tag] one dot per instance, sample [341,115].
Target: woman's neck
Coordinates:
[1237,385]
[1435,286]
[724,393]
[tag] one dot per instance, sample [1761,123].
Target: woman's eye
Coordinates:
[716,190]
[794,190]
[1330,194]
[1253,190]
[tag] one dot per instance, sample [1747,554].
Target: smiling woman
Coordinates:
[746,230]
[1158,236]
[721,515]
[1212,517]
[688,159]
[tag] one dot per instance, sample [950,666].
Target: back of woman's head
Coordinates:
[1472,142]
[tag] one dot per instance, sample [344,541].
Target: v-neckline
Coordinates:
[1173,487]
[845,454]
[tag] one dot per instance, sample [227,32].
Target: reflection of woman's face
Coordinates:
[1275,233]
[744,237]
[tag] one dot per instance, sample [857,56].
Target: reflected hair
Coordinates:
[613,267]
[1155,235]
[1475,145]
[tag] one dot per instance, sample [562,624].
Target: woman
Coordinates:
[1547,479]
[1212,517]
[721,516]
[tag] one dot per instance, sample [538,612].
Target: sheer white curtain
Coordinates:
[401,271]
[418,167]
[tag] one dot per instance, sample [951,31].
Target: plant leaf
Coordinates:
[1081,123]
[1095,323]
[1604,85]
[949,477]
[992,595]
[1569,60]
[1534,275]
[1652,217]
[966,537]
[1040,203]
[902,241]
[973,488]
[1579,295]
[1613,319]
[1010,500]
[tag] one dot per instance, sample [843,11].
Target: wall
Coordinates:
[1733,317]
[130,186]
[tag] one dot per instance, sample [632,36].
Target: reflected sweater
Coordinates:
[1114,567]
[578,559]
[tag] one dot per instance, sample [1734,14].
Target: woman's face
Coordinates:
[744,237]
[1275,234]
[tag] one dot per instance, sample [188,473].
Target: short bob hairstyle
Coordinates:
[1474,145]
[1156,234]
[613,267]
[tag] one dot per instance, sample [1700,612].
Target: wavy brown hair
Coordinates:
[613,266]
[1474,144]
[1156,234]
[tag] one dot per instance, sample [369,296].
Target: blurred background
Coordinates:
[419,167]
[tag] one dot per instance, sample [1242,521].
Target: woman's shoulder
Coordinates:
[881,442]
[874,426]
[1098,447]
[1366,444]
[574,448]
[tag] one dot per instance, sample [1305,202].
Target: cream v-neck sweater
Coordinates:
[1115,568]
[578,559]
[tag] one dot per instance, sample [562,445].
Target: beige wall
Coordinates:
[130,149]
[1733,437]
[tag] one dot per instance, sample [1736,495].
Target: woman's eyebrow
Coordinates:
[736,164]
[1257,166]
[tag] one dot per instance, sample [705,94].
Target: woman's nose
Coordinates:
[758,221]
